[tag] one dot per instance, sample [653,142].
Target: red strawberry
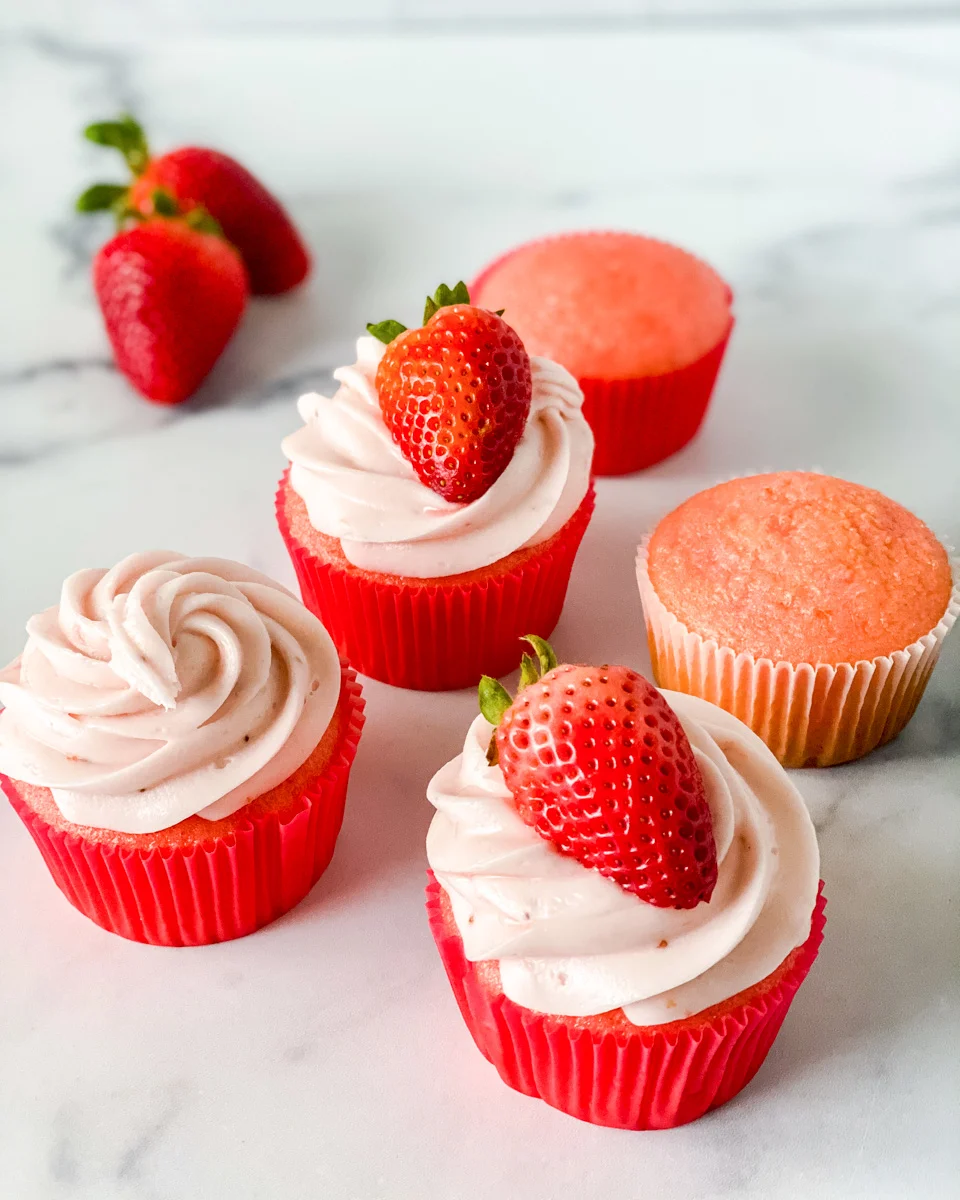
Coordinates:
[598,763]
[171,296]
[250,217]
[455,394]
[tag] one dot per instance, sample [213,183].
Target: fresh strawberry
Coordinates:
[171,296]
[598,763]
[250,217]
[455,393]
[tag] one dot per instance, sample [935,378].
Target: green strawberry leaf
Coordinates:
[386,331]
[125,135]
[100,197]
[444,297]
[164,205]
[529,671]
[494,699]
[544,651]
[199,219]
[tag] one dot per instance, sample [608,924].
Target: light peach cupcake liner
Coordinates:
[810,715]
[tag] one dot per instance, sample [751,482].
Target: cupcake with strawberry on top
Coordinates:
[434,505]
[624,890]
[177,737]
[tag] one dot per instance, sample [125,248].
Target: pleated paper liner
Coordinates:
[433,635]
[640,421]
[627,1077]
[809,714]
[209,891]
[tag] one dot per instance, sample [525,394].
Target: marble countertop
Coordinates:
[819,170]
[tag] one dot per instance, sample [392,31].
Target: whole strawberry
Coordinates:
[455,394]
[171,297]
[598,763]
[249,216]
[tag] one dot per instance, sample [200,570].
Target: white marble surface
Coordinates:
[820,171]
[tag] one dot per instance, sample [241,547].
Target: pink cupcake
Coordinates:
[641,324]
[434,505]
[811,608]
[177,737]
[624,893]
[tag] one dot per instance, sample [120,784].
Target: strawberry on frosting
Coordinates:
[513,448]
[598,763]
[542,859]
[455,393]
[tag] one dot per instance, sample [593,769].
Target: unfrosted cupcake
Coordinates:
[811,608]
[627,901]
[177,737]
[642,325]
[434,504]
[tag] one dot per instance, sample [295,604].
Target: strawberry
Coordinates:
[598,763]
[171,296]
[250,217]
[455,393]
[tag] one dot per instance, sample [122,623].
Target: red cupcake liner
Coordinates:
[649,1077]
[639,422]
[438,636]
[211,891]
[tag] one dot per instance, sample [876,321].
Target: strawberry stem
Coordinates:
[545,652]
[494,697]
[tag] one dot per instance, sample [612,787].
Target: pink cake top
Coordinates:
[608,305]
[800,567]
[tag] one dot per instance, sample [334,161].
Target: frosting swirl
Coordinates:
[571,942]
[358,487]
[163,688]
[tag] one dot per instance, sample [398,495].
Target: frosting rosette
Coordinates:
[163,688]
[573,943]
[358,487]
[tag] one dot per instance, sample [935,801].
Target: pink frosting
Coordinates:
[163,688]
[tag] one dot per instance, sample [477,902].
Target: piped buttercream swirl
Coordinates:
[358,487]
[163,688]
[571,942]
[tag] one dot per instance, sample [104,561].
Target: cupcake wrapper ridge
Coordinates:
[211,891]
[440,636]
[656,1078]
[810,715]
[639,422]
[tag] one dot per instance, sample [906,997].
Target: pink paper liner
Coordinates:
[645,1077]
[640,421]
[211,891]
[809,714]
[437,636]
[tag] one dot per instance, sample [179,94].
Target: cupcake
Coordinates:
[434,505]
[811,608]
[624,893]
[177,737]
[641,324]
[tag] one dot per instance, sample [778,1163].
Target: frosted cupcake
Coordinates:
[811,608]
[624,892]
[177,737]
[434,505]
[642,325]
